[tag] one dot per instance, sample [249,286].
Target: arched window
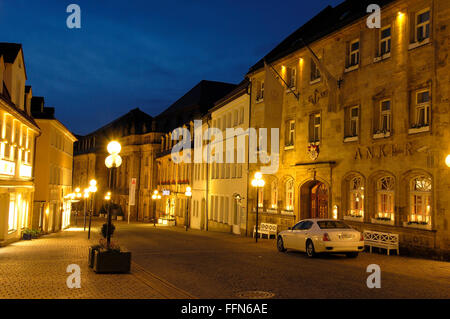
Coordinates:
[385,199]
[356,207]
[420,201]
[274,195]
[290,195]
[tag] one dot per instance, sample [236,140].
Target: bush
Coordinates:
[104,230]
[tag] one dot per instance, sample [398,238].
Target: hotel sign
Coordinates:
[7,168]
[383,151]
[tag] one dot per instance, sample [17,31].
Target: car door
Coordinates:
[298,236]
[303,234]
[289,238]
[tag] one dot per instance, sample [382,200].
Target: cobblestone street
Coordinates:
[37,269]
[169,262]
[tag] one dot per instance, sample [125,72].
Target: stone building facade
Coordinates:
[363,122]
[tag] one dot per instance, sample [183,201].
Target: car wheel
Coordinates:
[310,249]
[280,244]
[352,255]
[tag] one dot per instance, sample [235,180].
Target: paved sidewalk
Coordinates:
[37,270]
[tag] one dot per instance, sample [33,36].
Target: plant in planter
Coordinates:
[27,234]
[35,233]
[109,258]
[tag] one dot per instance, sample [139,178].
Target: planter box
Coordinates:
[26,236]
[112,261]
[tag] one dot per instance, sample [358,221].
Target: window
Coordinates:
[353,122]
[290,133]
[241,115]
[422,25]
[420,201]
[422,109]
[332,224]
[260,91]
[314,128]
[260,197]
[385,41]
[315,72]
[353,58]
[385,199]
[12,217]
[291,77]
[385,116]
[290,195]
[274,195]
[356,198]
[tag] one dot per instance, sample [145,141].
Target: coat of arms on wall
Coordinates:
[313,151]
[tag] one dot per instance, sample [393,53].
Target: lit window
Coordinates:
[291,77]
[315,72]
[274,195]
[353,127]
[290,195]
[356,198]
[260,197]
[260,91]
[420,205]
[353,58]
[290,133]
[314,128]
[422,109]
[12,216]
[385,199]
[385,116]
[422,25]
[385,41]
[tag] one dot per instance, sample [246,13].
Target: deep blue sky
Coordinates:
[141,53]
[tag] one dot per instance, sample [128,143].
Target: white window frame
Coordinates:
[356,198]
[290,193]
[425,106]
[352,53]
[424,214]
[292,78]
[386,114]
[354,122]
[316,75]
[388,194]
[423,25]
[387,40]
[290,138]
[260,91]
[316,138]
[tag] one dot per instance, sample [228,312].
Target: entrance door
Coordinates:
[319,201]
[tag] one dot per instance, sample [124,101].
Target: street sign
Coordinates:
[132,194]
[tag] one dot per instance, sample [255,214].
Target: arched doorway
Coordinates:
[314,200]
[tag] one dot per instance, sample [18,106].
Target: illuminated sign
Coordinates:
[7,168]
[25,170]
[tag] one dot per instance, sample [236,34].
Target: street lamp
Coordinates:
[258,183]
[155,197]
[86,197]
[188,194]
[92,189]
[112,162]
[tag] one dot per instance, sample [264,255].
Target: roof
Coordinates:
[10,51]
[240,89]
[195,103]
[324,23]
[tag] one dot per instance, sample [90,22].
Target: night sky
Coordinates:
[143,54]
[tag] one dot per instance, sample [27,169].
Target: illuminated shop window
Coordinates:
[356,198]
[420,201]
[385,199]
[274,195]
[290,195]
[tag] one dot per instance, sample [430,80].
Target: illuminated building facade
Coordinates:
[53,170]
[18,134]
[364,122]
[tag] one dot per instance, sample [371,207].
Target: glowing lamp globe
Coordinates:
[93,182]
[114,147]
[447,160]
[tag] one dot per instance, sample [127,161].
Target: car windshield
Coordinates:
[329,224]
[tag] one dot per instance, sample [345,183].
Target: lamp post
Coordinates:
[112,162]
[188,194]
[77,194]
[92,189]
[85,197]
[155,197]
[257,182]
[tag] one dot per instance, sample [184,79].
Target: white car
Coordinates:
[315,236]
